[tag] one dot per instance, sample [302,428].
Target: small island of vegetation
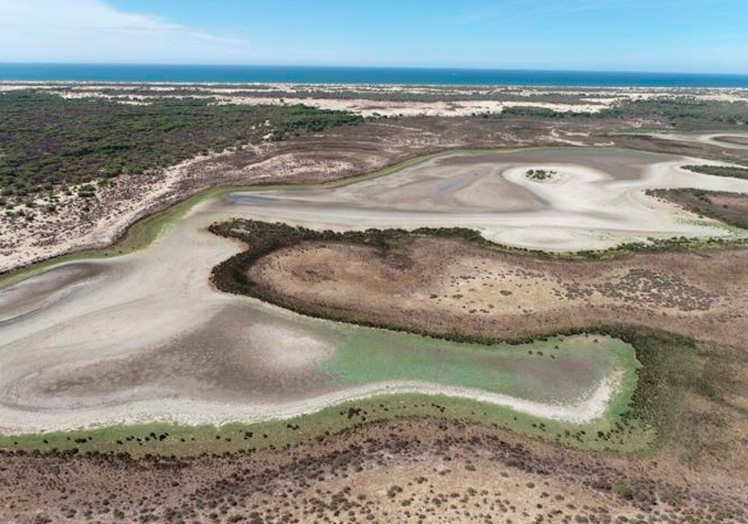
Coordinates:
[540,175]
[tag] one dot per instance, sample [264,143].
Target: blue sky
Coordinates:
[634,35]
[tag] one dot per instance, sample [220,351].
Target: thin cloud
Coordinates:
[92,30]
[515,10]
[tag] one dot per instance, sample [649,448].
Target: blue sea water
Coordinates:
[356,75]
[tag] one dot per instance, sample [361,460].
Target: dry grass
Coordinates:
[396,472]
[439,285]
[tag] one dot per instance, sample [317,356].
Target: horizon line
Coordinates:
[382,67]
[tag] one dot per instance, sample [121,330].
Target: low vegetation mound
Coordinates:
[540,175]
[726,171]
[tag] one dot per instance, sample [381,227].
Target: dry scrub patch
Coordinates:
[444,286]
[405,471]
[731,208]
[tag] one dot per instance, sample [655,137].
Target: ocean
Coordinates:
[356,75]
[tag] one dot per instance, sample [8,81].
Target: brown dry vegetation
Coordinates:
[444,286]
[404,471]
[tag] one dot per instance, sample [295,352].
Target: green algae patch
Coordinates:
[555,370]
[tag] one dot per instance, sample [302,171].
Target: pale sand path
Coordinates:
[712,139]
[159,299]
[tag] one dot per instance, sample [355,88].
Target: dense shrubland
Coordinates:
[683,112]
[48,142]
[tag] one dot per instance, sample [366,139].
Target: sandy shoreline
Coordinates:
[193,413]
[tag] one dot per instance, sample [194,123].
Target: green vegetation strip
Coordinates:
[726,171]
[609,434]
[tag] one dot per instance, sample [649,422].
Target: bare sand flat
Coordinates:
[29,296]
[145,337]
[596,200]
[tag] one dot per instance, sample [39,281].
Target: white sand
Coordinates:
[195,412]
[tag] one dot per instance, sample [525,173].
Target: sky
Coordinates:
[707,36]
